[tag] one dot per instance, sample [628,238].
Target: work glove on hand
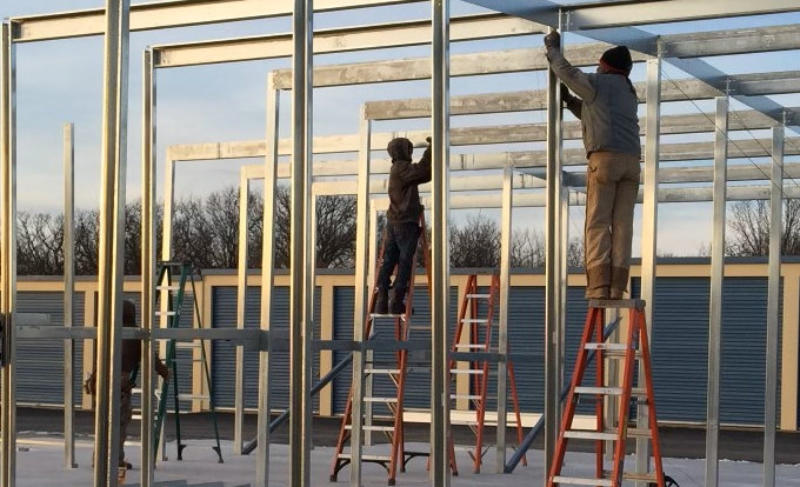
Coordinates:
[552,39]
[566,96]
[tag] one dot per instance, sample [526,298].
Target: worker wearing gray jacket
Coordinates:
[606,104]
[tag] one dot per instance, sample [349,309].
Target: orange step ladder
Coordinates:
[393,427]
[480,341]
[636,348]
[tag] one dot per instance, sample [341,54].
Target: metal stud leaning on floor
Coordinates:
[175,293]
[636,348]
[396,370]
[480,332]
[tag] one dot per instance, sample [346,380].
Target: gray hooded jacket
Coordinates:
[607,110]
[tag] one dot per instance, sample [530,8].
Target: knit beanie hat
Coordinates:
[619,59]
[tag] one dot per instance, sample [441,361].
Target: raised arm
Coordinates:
[418,173]
[575,79]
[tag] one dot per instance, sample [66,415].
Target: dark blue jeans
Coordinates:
[401,244]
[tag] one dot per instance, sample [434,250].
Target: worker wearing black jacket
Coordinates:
[402,232]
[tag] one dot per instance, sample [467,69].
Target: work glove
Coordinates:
[553,39]
[566,96]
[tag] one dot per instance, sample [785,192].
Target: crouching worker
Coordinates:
[606,104]
[402,230]
[131,358]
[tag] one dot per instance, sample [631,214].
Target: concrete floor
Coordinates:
[40,464]
[40,457]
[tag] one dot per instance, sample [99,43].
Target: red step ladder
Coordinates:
[393,428]
[480,340]
[636,348]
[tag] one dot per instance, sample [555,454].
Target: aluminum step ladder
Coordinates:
[635,350]
[171,292]
[476,315]
[390,425]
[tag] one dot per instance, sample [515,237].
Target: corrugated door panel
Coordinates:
[40,363]
[343,312]
[744,341]
[224,315]
[417,383]
[680,348]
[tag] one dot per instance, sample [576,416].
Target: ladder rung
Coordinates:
[471,397]
[590,435]
[479,296]
[645,477]
[388,315]
[467,371]
[609,391]
[606,346]
[192,397]
[187,345]
[472,346]
[419,327]
[369,427]
[581,481]
[377,458]
[477,321]
[380,399]
[166,313]
[168,288]
[381,371]
[639,433]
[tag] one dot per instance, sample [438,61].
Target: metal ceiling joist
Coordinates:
[520,101]
[167,14]
[611,23]
[723,42]
[609,15]
[345,39]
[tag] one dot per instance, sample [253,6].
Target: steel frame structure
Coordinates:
[113,22]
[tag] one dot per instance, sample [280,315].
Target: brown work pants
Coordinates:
[612,189]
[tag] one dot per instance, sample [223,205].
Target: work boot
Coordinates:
[597,293]
[381,301]
[616,294]
[397,302]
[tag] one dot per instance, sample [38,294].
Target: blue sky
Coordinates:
[60,82]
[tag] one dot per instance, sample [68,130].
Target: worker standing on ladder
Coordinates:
[402,233]
[607,107]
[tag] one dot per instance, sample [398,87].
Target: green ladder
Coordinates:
[175,293]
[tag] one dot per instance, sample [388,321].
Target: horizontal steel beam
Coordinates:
[520,101]
[530,199]
[604,15]
[735,41]
[503,134]
[166,14]
[345,39]
[251,337]
[492,62]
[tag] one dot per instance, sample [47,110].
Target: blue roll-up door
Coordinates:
[417,392]
[680,348]
[224,353]
[40,363]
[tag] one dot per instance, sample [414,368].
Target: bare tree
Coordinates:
[527,249]
[39,244]
[476,243]
[749,225]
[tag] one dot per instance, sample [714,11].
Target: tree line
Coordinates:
[205,232]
